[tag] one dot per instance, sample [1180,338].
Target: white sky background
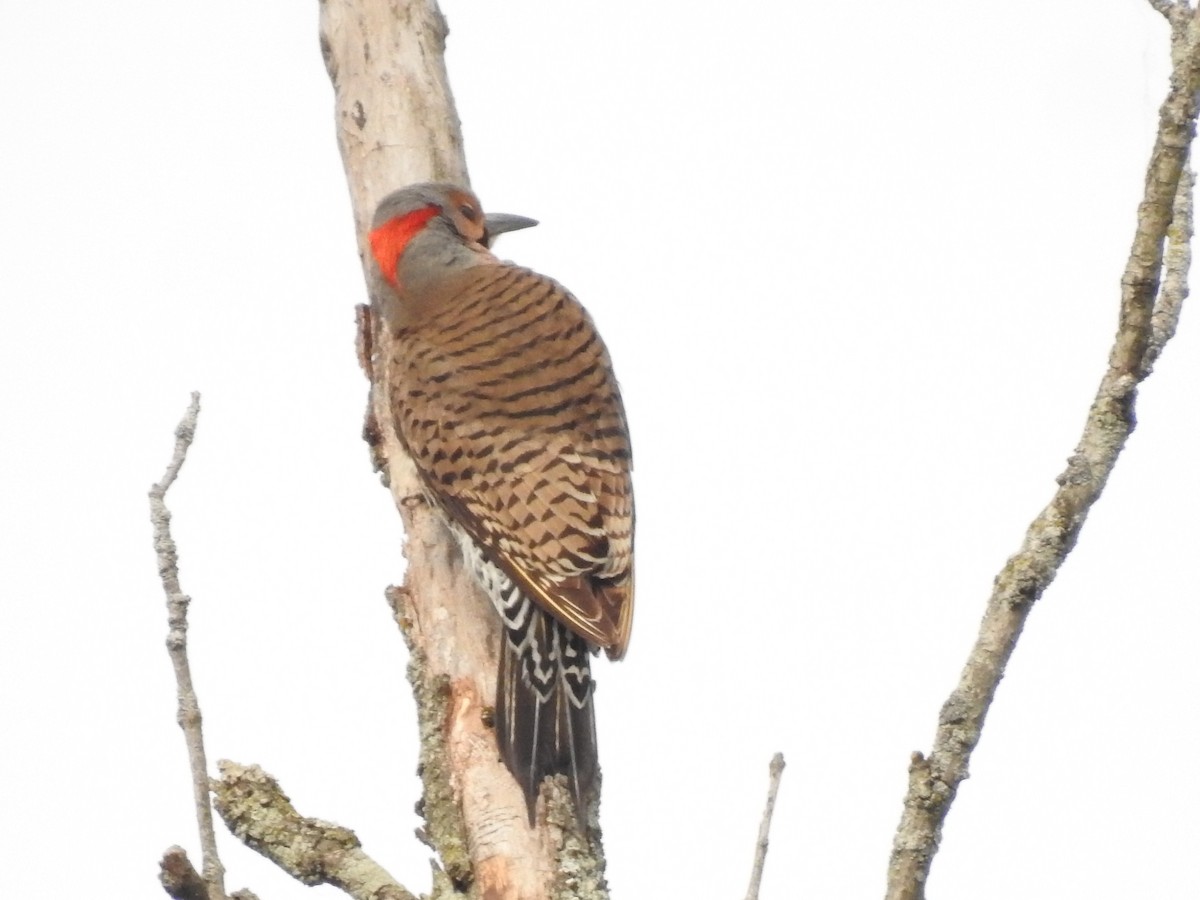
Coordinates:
[858,267]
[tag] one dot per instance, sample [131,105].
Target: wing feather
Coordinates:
[511,412]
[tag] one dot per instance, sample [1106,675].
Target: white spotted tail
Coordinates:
[544,718]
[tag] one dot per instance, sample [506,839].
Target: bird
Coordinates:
[504,396]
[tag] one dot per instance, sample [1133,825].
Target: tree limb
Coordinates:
[253,806]
[261,815]
[1178,257]
[934,780]
[174,874]
[1177,262]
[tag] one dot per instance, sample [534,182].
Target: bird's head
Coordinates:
[424,230]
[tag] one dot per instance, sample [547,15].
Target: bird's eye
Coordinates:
[469,212]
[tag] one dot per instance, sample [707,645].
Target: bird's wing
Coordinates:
[506,400]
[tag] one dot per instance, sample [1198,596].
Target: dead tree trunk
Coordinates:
[396,125]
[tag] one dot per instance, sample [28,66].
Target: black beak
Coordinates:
[498,223]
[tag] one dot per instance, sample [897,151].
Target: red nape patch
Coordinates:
[389,239]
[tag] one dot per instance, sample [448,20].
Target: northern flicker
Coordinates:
[504,396]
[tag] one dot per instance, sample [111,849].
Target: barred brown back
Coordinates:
[506,400]
[508,404]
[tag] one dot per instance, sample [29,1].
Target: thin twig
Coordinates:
[188,714]
[934,781]
[764,828]
[261,815]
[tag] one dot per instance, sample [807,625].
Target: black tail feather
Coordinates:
[545,722]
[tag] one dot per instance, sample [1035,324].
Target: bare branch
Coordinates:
[764,828]
[934,781]
[179,877]
[260,814]
[1178,257]
[188,714]
[1177,263]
